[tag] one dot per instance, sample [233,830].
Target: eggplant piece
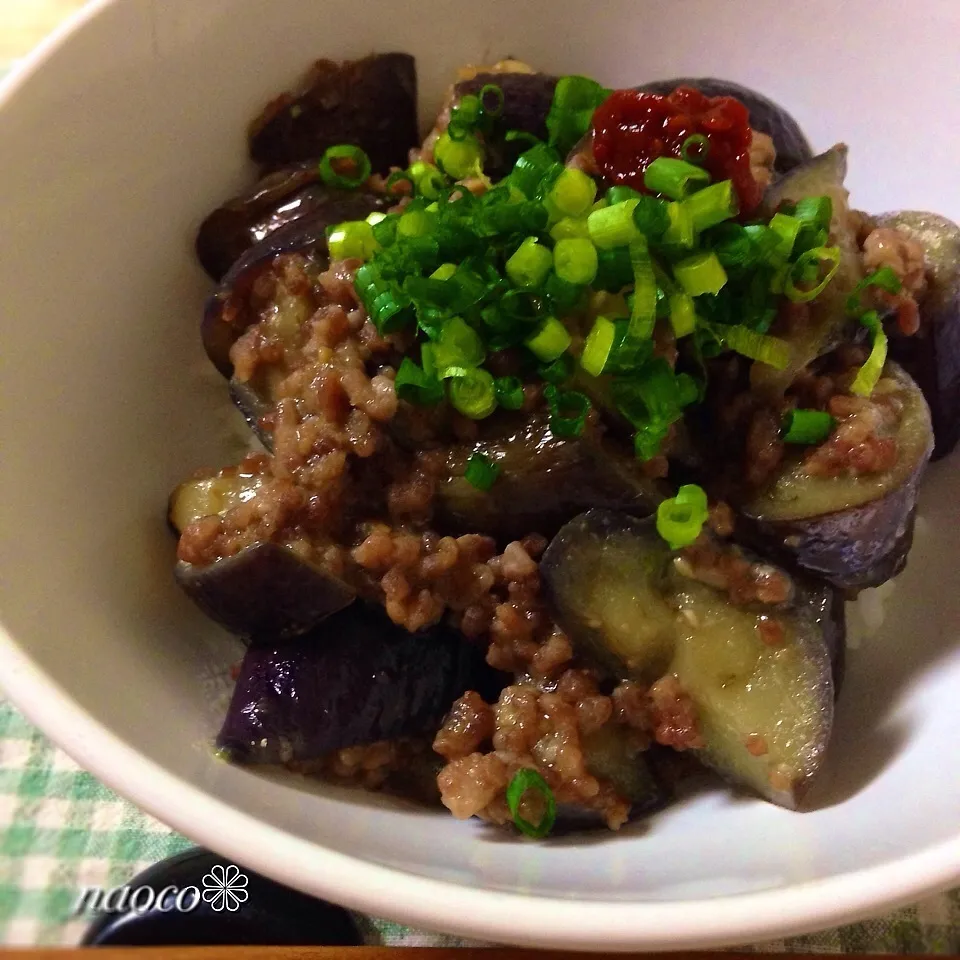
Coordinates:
[766,116]
[370,103]
[932,355]
[274,201]
[265,590]
[612,754]
[229,311]
[527,98]
[356,679]
[765,712]
[543,479]
[855,532]
[822,176]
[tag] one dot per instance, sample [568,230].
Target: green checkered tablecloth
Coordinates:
[61,830]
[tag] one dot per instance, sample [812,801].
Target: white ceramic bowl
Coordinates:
[116,138]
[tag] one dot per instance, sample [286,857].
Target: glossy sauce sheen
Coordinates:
[631,129]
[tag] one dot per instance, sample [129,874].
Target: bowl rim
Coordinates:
[473,912]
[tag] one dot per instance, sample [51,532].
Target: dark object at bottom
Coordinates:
[271,914]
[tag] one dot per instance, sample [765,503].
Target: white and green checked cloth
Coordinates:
[61,830]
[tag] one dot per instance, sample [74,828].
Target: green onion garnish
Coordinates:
[680,233]
[643,313]
[573,192]
[614,271]
[416,386]
[613,226]
[713,205]
[458,346]
[473,393]
[619,193]
[807,426]
[575,260]
[550,341]
[695,149]
[568,411]
[681,518]
[523,781]
[509,392]
[570,228]
[559,371]
[673,178]
[651,217]
[598,346]
[535,167]
[491,99]
[345,166]
[458,159]
[786,228]
[813,259]
[884,278]
[683,314]
[870,372]
[574,101]
[351,239]
[481,472]
[757,346]
[699,274]
[817,211]
[428,181]
[530,264]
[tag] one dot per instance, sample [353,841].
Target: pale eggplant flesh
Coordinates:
[764,711]
[766,116]
[854,531]
[358,678]
[263,591]
[932,355]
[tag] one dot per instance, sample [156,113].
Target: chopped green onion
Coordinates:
[683,315]
[416,386]
[817,211]
[884,278]
[673,178]
[643,314]
[575,260]
[681,518]
[427,179]
[464,116]
[344,165]
[557,372]
[459,346]
[648,440]
[444,272]
[352,239]
[550,341]
[573,192]
[563,295]
[399,176]
[619,193]
[458,159]
[868,375]
[680,233]
[695,149]
[530,264]
[613,226]
[481,472]
[757,346]
[766,243]
[523,781]
[598,346]
[807,426]
[473,393]
[574,101]
[786,228]
[701,273]
[570,228]
[538,165]
[385,231]
[614,271]
[509,392]
[568,411]
[651,217]
[415,221]
[815,259]
[713,205]
[491,99]
[378,216]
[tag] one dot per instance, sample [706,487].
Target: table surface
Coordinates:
[61,830]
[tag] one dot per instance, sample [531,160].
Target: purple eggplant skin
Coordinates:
[527,98]
[766,116]
[369,103]
[853,532]
[263,591]
[356,679]
[227,313]
[932,355]
[543,479]
[274,201]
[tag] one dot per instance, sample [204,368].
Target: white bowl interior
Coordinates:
[113,150]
